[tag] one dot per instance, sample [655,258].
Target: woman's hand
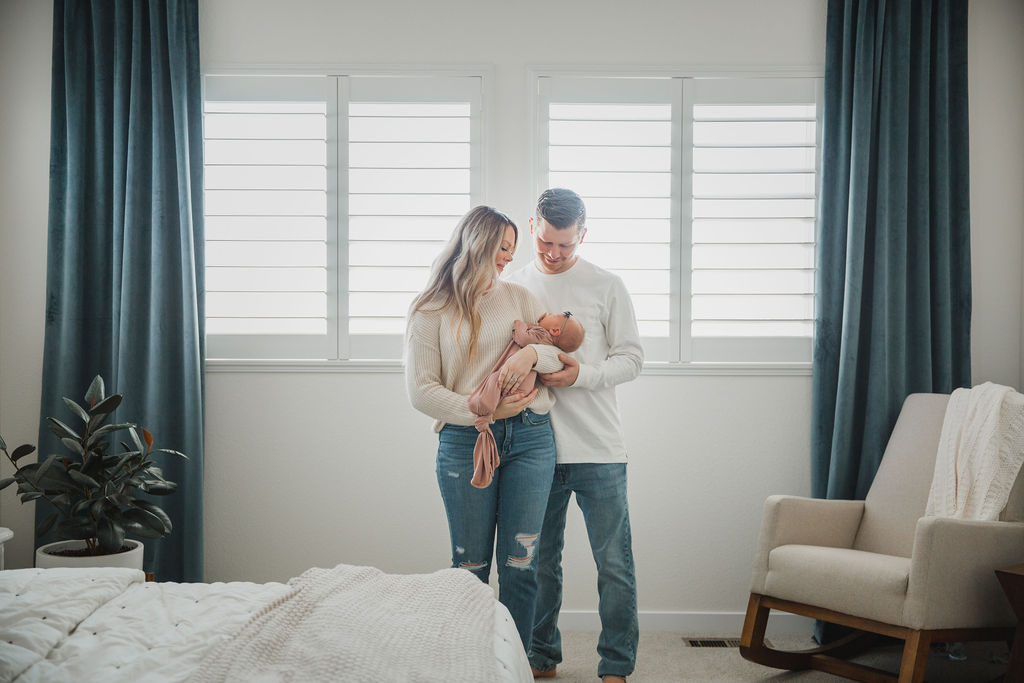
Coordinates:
[513,404]
[515,369]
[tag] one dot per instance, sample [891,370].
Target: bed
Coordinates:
[340,624]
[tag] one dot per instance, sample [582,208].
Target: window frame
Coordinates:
[530,191]
[678,357]
[264,352]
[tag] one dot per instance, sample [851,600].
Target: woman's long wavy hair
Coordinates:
[465,268]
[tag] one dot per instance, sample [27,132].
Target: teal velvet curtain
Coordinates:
[125,255]
[893,283]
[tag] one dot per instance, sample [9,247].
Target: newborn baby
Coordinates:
[558,329]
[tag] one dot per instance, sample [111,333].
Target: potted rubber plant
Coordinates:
[94,487]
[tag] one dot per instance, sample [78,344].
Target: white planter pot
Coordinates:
[129,558]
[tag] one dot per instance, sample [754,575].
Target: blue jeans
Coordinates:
[513,505]
[601,494]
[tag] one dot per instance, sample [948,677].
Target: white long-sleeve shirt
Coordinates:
[586,416]
[440,375]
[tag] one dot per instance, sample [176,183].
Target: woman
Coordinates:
[458,327]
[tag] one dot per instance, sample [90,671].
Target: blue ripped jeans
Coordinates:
[601,494]
[513,506]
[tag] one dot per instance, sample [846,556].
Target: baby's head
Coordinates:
[566,331]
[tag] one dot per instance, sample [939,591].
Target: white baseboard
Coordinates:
[722,624]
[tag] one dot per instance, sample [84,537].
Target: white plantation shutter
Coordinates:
[413,171]
[615,142]
[753,206]
[327,199]
[270,183]
[700,194]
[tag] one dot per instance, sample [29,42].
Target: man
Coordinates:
[591,454]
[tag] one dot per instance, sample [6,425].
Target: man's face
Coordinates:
[556,249]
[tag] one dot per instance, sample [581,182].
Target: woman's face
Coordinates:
[507,248]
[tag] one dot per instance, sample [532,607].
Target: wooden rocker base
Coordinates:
[831,658]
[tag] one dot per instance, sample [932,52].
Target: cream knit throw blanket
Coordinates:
[981,448]
[360,624]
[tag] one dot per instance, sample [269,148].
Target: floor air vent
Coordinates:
[714,642]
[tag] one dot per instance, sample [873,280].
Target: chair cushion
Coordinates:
[899,492]
[853,582]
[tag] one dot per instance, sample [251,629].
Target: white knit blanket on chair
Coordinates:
[359,624]
[981,449]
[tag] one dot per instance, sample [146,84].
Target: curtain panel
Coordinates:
[125,253]
[893,278]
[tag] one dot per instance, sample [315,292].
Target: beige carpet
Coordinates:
[665,658]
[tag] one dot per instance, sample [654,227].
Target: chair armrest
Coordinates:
[804,521]
[952,573]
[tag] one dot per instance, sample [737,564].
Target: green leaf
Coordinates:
[83,479]
[142,530]
[138,442]
[146,506]
[4,483]
[106,406]
[123,460]
[76,409]
[96,390]
[110,534]
[61,430]
[32,495]
[56,479]
[3,444]
[146,519]
[161,488]
[45,525]
[95,421]
[61,499]
[73,445]
[120,499]
[170,452]
[43,467]
[21,451]
[106,429]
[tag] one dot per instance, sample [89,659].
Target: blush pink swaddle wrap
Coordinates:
[485,399]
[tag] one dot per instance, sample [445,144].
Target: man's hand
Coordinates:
[565,377]
[513,404]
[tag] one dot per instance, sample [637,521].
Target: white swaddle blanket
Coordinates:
[981,449]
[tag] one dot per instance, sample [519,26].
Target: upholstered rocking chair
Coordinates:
[880,566]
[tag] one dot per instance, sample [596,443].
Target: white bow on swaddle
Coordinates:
[981,449]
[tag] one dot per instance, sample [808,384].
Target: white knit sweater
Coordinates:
[586,417]
[440,376]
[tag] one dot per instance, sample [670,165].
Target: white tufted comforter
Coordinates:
[110,625]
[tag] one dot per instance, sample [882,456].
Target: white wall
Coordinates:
[25,43]
[315,468]
[996,76]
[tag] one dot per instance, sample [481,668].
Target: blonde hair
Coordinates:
[465,268]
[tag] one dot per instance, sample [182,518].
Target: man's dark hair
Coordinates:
[562,208]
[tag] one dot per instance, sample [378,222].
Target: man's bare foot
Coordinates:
[537,673]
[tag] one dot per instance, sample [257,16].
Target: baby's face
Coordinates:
[553,322]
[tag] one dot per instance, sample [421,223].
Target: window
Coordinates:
[327,198]
[700,194]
